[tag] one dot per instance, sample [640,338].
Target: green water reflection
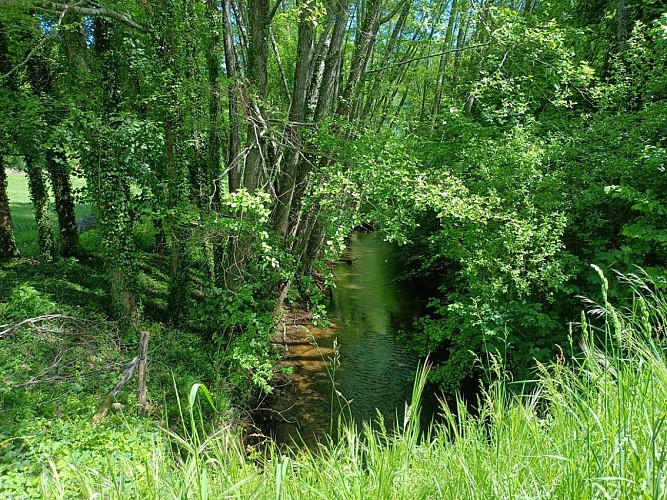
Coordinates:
[368,308]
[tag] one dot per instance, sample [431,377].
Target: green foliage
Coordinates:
[25,302]
[545,152]
[66,448]
[532,66]
[501,223]
[528,203]
[239,322]
[638,74]
[593,428]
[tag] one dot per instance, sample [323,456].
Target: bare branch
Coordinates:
[390,15]
[84,11]
[31,321]
[428,56]
[279,61]
[275,9]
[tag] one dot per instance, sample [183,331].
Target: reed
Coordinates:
[594,427]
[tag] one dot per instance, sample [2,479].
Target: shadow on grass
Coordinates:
[82,284]
[25,227]
[73,284]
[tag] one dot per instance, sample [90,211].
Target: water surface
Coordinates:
[374,373]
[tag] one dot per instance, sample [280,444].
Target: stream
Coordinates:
[373,372]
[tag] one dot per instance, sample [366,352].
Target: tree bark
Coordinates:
[372,97]
[444,58]
[623,24]
[288,177]
[231,64]
[39,196]
[8,248]
[257,166]
[332,62]
[179,248]
[59,173]
[214,106]
[363,48]
[108,179]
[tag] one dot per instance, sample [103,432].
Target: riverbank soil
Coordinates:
[298,408]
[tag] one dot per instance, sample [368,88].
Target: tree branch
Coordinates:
[32,52]
[275,9]
[428,56]
[392,13]
[30,321]
[84,11]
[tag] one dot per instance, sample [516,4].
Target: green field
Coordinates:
[25,228]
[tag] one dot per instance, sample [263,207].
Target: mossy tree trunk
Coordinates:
[108,179]
[8,248]
[39,195]
[59,173]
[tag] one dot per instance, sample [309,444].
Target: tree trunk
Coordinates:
[289,175]
[318,64]
[214,106]
[623,24]
[107,178]
[460,43]
[371,99]
[39,196]
[363,48]
[8,248]
[444,59]
[58,169]
[231,64]
[332,62]
[179,248]
[257,165]
[160,244]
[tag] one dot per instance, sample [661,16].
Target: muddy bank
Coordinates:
[300,406]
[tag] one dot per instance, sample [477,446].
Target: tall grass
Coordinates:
[594,428]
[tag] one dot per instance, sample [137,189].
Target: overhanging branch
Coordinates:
[84,11]
[428,56]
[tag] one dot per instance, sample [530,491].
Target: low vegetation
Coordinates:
[593,427]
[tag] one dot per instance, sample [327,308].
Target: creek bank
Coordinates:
[299,401]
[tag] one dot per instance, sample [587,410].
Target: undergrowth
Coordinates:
[593,428]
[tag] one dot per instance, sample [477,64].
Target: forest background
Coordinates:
[227,148]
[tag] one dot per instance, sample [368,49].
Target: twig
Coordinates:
[428,56]
[292,421]
[31,321]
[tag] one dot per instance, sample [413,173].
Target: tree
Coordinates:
[8,248]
